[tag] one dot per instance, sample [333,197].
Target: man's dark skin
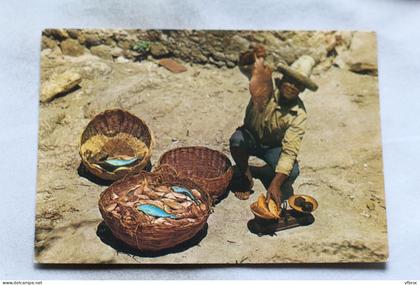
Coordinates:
[289,92]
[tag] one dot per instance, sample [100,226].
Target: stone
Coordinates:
[72,48]
[363,48]
[74,33]
[47,42]
[90,39]
[198,56]
[122,59]
[117,52]
[218,63]
[59,84]
[364,68]
[158,50]
[94,69]
[102,51]
[371,205]
[126,44]
[59,34]
[230,64]
[237,44]
[344,38]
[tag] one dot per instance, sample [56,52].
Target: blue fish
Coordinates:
[113,163]
[154,211]
[121,162]
[185,191]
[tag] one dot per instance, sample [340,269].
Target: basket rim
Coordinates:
[108,217]
[229,169]
[109,111]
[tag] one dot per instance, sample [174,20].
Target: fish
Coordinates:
[186,204]
[272,207]
[159,221]
[143,197]
[196,193]
[156,203]
[185,191]
[152,194]
[175,196]
[155,211]
[111,207]
[112,164]
[171,203]
[203,207]
[162,188]
[196,211]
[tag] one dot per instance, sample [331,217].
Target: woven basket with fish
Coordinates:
[208,168]
[155,211]
[115,143]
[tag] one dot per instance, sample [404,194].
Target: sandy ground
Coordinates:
[341,164]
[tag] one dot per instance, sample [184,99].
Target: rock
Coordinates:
[74,33]
[72,47]
[122,59]
[59,84]
[237,44]
[59,34]
[361,56]
[218,63]
[102,51]
[322,66]
[117,52]
[158,50]
[364,68]
[344,38]
[94,69]
[230,64]
[198,56]
[127,43]
[363,48]
[46,42]
[90,39]
[371,205]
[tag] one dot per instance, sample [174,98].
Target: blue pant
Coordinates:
[243,139]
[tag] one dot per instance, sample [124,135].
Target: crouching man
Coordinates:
[274,125]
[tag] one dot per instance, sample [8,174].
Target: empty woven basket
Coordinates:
[140,230]
[208,168]
[115,133]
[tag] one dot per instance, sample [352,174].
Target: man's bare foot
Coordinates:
[245,188]
[243,195]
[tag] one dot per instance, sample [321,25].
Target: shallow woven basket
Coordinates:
[209,168]
[119,126]
[132,229]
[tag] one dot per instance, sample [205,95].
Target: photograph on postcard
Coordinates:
[213,147]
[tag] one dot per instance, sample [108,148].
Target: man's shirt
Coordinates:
[278,126]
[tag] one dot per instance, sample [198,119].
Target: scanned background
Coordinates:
[395,23]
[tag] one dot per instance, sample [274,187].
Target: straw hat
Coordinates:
[300,70]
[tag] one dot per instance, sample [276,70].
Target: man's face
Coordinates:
[290,89]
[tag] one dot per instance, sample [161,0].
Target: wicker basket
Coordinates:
[116,131]
[208,168]
[134,229]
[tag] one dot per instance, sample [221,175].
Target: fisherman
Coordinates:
[274,124]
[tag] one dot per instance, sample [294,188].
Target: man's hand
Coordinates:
[273,191]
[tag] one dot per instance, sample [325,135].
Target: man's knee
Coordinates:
[237,140]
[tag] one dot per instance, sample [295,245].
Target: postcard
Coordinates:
[209,147]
